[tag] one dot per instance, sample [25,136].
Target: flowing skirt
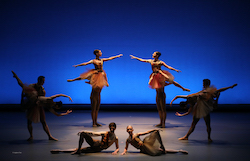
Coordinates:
[97,79]
[151,145]
[157,80]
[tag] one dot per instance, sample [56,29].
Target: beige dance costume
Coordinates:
[150,144]
[97,77]
[156,79]
[34,101]
[205,102]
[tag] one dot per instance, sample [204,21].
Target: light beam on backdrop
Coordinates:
[202,39]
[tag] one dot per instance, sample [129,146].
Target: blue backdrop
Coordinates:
[203,39]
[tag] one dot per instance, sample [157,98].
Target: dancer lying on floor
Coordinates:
[151,144]
[108,138]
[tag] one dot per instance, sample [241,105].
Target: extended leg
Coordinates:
[88,139]
[207,121]
[191,129]
[178,85]
[30,129]
[71,80]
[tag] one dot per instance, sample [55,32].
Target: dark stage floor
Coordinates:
[230,133]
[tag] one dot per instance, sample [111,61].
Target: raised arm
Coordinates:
[83,64]
[61,95]
[140,59]
[186,113]
[102,133]
[169,67]
[226,88]
[18,80]
[180,96]
[112,57]
[59,114]
[147,132]
[117,147]
[125,149]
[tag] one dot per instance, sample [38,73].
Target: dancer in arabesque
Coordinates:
[34,102]
[158,80]
[98,79]
[201,104]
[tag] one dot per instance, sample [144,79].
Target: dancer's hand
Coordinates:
[69,111]
[132,57]
[75,66]
[119,55]
[70,98]
[178,71]
[178,114]
[14,74]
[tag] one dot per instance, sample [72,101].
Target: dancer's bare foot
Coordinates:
[30,138]
[183,151]
[76,152]
[52,138]
[210,140]
[158,125]
[163,125]
[70,80]
[14,74]
[55,151]
[98,124]
[183,138]
[94,125]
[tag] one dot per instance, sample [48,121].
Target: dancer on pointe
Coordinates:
[151,144]
[98,79]
[201,104]
[108,138]
[34,103]
[158,80]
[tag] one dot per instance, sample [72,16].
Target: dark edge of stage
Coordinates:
[133,107]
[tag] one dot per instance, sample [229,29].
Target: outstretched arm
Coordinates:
[18,80]
[147,132]
[117,147]
[83,64]
[112,57]
[186,113]
[180,96]
[61,95]
[226,88]
[140,59]
[169,67]
[125,149]
[59,114]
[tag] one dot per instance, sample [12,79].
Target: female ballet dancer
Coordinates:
[98,79]
[34,105]
[158,80]
[151,144]
[201,104]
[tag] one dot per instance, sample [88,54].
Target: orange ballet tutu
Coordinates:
[157,80]
[97,79]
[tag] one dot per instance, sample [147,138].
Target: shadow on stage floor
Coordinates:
[230,134]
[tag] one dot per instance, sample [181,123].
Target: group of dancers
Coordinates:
[200,104]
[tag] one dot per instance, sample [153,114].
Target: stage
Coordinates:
[230,134]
